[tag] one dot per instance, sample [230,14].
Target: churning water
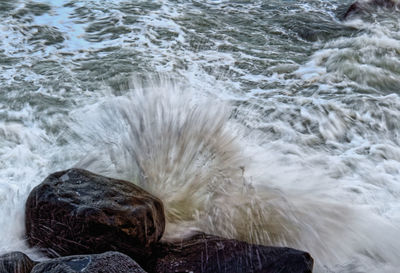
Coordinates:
[271,121]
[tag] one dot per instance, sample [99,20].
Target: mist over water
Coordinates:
[271,122]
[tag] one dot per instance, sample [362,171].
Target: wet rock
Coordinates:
[110,262]
[78,212]
[15,262]
[207,253]
[363,7]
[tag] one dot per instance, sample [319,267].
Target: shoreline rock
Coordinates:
[210,254]
[78,212]
[110,262]
[360,7]
[16,262]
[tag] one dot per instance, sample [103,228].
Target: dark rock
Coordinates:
[207,253]
[15,262]
[109,262]
[77,212]
[362,7]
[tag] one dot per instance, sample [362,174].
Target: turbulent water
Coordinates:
[274,122]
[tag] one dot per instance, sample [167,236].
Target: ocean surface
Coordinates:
[274,122]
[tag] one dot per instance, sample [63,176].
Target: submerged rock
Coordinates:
[15,262]
[361,7]
[110,262]
[206,253]
[78,212]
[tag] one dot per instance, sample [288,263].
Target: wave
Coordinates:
[215,175]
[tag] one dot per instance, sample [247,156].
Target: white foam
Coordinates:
[313,166]
[269,192]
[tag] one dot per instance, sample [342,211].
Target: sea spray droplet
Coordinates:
[298,156]
[193,157]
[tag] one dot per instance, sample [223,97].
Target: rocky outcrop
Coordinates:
[206,253]
[110,262]
[78,212]
[362,7]
[15,262]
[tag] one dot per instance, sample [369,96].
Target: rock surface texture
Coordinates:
[206,253]
[15,262]
[77,212]
[109,262]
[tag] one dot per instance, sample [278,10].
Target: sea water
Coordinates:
[273,122]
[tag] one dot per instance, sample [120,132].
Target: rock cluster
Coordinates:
[99,224]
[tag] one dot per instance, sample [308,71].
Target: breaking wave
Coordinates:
[215,175]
